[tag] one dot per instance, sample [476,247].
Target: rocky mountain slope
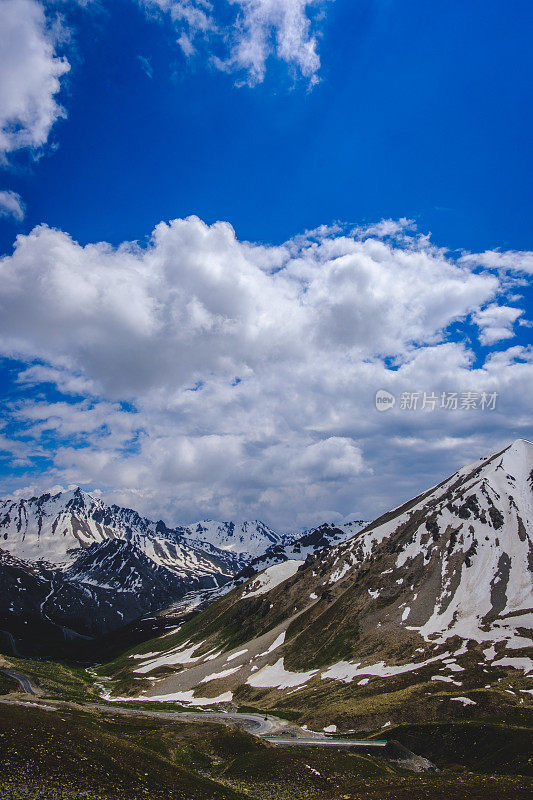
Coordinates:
[43,607]
[427,611]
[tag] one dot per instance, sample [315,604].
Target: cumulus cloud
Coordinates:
[11,205]
[496,322]
[248,33]
[203,375]
[30,73]
[201,302]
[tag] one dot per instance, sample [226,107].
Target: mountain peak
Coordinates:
[522,446]
[516,460]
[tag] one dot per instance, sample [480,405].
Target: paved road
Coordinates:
[322,741]
[252,723]
[23,681]
[268,728]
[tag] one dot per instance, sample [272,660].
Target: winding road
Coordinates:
[271,729]
[24,681]
[257,724]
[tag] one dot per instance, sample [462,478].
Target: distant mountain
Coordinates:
[307,544]
[54,528]
[242,539]
[296,551]
[42,608]
[427,611]
[73,566]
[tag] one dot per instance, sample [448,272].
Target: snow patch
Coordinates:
[525,664]
[466,701]
[177,697]
[176,656]
[276,676]
[224,674]
[271,578]
[236,655]
[275,644]
[346,671]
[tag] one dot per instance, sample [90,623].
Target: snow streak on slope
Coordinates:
[271,578]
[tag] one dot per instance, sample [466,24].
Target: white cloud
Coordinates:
[11,205]
[496,323]
[387,227]
[240,40]
[214,377]
[200,302]
[248,33]
[519,260]
[265,27]
[30,73]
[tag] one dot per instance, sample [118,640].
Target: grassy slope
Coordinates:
[72,755]
[7,684]
[59,680]
[404,698]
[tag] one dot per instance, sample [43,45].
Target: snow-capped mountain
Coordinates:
[243,539]
[308,544]
[72,565]
[461,554]
[296,551]
[55,528]
[428,607]
[43,608]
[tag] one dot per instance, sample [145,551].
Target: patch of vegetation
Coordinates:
[290,716]
[324,640]
[105,756]
[410,697]
[75,755]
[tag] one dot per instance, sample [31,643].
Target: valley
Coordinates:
[361,657]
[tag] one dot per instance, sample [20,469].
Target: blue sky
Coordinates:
[382,110]
[423,111]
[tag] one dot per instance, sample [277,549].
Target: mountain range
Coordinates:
[430,605]
[73,568]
